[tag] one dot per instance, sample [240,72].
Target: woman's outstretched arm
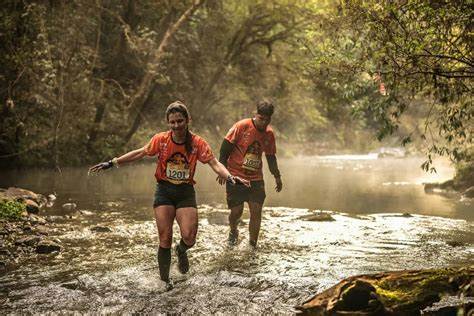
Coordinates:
[128,157]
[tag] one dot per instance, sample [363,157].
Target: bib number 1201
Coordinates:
[177,174]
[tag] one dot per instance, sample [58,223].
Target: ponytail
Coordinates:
[188,144]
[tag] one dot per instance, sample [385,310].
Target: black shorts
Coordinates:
[178,195]
[239,193]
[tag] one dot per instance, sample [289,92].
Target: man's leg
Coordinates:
[234,217]
[255,220]
[164,216]
[187,218]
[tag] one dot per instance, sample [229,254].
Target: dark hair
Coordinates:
[180,107]
[265,107]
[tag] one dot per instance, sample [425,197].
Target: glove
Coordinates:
[237,180]
[101,166]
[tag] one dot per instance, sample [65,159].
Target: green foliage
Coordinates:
[464,177]
[11,210]
[87,80]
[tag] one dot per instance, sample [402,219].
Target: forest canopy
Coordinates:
[86,80]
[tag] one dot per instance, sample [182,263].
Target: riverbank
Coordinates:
[23,230]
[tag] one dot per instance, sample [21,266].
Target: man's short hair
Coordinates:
[265,107]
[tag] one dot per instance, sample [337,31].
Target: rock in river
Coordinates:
[47,246]
[32,207]
[69,206]
[101,229]
[391,293]
[27,241]
[318,217]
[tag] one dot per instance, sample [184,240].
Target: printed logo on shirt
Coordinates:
[252,159]
[177,168]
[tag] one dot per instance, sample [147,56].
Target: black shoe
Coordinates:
[183,262]
[233,238]
[169,285]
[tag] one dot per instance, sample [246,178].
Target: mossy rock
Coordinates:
[11,210]
[395,293]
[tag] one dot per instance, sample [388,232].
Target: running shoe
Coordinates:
[233,238]
[183,262]
[169,285]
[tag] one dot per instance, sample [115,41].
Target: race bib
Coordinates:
[177,169]
[252,162]
[177,173]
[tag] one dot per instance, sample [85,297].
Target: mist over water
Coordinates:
[296,258]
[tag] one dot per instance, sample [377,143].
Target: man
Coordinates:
[241,152]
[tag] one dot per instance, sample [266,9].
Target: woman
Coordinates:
[178,151]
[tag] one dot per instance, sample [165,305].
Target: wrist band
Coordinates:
[115,162]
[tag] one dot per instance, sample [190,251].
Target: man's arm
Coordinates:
[273,166]
[225,151]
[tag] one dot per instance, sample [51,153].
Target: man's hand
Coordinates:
[101,166]
[279,184]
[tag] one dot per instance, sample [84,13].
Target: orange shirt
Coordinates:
[245,160]
[174,164]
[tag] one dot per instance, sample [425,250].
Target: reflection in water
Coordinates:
[348,184]
[117,272]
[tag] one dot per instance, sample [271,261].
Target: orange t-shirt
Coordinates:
[174,164]
[246,159]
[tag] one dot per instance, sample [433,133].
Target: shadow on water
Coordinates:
[116,271]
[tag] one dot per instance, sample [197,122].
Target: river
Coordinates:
[383,220]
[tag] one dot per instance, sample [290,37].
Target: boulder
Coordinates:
[318,217]
[36,220]
[393,293]
[47,246]
[69,206]
[31,206]
[23,194]
[27,241]
[42,230]
[356,296]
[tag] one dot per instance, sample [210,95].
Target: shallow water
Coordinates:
[117,271]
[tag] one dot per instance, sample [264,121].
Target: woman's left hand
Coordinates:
[221,180]
[234,180]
